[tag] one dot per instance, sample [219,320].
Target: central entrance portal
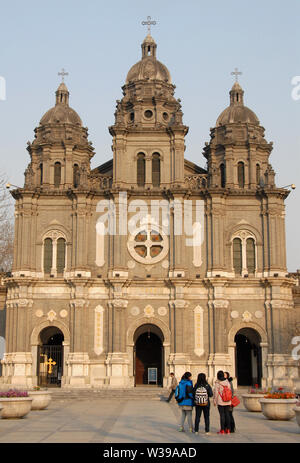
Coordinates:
[148,355]
[50,357]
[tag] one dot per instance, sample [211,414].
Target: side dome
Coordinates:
[61,113]
[236,111]
[148,67]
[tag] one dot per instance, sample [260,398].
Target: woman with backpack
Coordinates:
[222,398]
[202,391]
[184,397]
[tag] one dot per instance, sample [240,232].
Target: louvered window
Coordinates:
[155,169]
[60,255]
[47,255]
[141,167]
[222,175]
[241,174]
[57,174]
[237,256]
[250,255]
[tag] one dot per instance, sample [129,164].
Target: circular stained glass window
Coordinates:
[148,245]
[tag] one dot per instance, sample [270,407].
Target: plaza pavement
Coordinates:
[136,421]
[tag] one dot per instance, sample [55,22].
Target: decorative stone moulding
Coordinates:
[247,316]
[51,316]
[258,314]
[162,311]
[149,311]
[39,313]
[63,313]
[135,311]
[234,314]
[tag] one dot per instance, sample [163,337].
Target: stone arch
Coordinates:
[34,338]
[147,321]
[239,325]
[244,227]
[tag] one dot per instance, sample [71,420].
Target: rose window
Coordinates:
[148,245]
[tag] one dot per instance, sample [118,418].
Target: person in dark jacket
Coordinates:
[232,422]
[186,405]
[200,396]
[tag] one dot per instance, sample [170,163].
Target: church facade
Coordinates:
[149,263]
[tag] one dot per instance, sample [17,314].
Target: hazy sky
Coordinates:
[97,42]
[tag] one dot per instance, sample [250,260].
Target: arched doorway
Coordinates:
[148,358]
[50,357]
[248,357]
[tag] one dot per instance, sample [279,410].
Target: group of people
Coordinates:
[198,396]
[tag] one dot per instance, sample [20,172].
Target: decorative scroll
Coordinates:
[198,323]
[98,335]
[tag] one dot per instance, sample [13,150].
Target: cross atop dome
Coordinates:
[149,23]
[63,73]
[236,73]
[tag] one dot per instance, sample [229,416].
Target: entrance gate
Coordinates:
[50,365]
[50,357]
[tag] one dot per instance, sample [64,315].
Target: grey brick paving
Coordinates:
[135,421]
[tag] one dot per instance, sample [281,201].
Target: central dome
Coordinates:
[149,67]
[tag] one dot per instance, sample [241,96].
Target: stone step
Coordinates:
[132,393]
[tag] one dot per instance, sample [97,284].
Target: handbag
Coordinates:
[235,401]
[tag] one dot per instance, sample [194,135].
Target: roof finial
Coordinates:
[62,74]
[236,73]
[148,23]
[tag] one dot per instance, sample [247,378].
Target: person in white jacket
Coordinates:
[219,387]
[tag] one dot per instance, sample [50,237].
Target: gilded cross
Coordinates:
[50,363]
[236,73]
[63,74]
[149,23]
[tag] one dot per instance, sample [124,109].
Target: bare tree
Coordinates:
[6,228]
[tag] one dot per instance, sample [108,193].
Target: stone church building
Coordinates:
[149,264]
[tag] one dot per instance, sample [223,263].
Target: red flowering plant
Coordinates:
[280,394]
[12,393]
[257,390]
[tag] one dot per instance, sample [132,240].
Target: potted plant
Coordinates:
[14,403]
[251,399]
[40,398]
[279,405]
[297,411]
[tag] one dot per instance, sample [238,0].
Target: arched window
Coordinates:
[237,256]
[156,169]
[241,174]
[60,255]
[257,174]
[48,254]
[222,175]
[250,255]
[76,176]
[41,173]
[57,174]
[141,168]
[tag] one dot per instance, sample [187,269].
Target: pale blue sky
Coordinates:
[200,42]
